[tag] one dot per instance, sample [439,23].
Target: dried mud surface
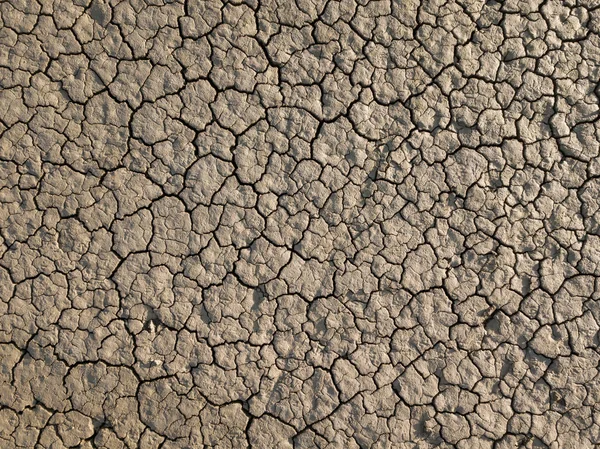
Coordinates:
[299,224]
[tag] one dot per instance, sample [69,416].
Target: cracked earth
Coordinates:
[299,224]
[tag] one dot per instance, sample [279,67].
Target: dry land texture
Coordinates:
[297,224]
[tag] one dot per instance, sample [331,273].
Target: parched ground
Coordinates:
[299,224]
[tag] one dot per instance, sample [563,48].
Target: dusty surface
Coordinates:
[296,224]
